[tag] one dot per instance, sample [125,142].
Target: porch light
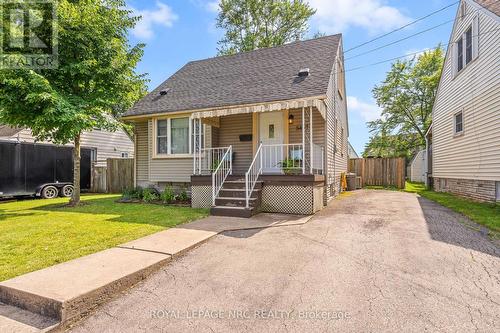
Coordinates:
[290,119]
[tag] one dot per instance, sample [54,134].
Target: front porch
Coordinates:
[270,161]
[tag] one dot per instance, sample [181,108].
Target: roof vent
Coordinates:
[304,72]
[163,92]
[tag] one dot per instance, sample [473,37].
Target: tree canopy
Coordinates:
[95,80]
[406,97]
[254,24]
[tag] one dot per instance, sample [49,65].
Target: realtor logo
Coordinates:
[28,34]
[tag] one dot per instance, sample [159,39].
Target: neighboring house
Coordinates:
[416,169]
[464,140]
[352,153]
[264,130]
[104,144]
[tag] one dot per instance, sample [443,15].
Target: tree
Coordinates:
[254,24]
[95,80]
[406,97]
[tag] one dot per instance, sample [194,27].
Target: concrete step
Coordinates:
[14,319]
[232,211]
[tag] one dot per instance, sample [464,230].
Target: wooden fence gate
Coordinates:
[380,171]
[117,175]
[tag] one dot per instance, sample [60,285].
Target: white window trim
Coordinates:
[455,133]
[474,24]
[157,155]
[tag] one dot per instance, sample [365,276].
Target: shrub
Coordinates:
[183,196]
[150,195]
[168,195]
[132,193]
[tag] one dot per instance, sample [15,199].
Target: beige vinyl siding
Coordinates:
[142,153]
[231,127]
[108,144]
[168,169]
[476,92]
[295,130]
[336,119]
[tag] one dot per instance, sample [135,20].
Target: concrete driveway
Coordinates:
[373,261]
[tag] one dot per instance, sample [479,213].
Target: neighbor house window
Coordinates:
[460,54]
[468,45]
[459,123]
[342,142]
[124,155]
[340,79]
[172,136]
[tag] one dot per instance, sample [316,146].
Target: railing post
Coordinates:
[311,140]
[303,141]
[199,144]
[231,160]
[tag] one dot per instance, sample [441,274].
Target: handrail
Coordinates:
[252,175]
[207,159]
[220,174]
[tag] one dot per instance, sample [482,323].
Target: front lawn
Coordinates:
[39,233]
[487,214]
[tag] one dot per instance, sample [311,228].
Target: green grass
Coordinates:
[39,233]
[487,214]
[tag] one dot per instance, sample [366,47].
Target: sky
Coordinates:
[178,31]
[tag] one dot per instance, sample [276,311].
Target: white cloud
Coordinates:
[334,16]
[213,6]
[367,111]
[162,15]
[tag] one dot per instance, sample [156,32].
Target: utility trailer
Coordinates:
[43,170]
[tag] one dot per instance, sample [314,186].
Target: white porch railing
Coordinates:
[253,173]
[283,158]
[219,175]
[208,159]
[317,159]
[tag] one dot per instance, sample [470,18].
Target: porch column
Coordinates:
[311,139]
[194,146]
[303,141]
[199,143]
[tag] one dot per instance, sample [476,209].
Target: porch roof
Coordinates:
[317,103]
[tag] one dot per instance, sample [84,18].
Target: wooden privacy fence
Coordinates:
[117,175]
[380,171]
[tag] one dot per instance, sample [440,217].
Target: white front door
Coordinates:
[271,132]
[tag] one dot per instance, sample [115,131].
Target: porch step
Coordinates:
[237,193]
[232,211]
[235,201]
[239,184]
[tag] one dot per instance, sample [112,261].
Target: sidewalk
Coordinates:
[66,292]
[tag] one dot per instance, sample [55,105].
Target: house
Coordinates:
[104,144]
[264,130]
[352,152]
[463,142]
[416,169]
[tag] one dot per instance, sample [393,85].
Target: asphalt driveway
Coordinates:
[373,261]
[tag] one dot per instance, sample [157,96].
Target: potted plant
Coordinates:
[290,166]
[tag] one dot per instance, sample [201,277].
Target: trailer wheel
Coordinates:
[67,191]
[50,192]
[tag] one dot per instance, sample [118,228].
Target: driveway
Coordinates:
[373,261]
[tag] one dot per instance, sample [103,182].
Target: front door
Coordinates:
[271,133]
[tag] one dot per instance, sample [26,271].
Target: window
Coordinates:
[340,80]
[179,136]
[161,137]
[271,131]
[468,45]
[124,155]
[93,155]
[173,136]
[460,54]
[459,123]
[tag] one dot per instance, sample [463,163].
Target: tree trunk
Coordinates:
[75,198]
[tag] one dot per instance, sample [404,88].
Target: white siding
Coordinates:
[417,172]
[476,91]
[336,119]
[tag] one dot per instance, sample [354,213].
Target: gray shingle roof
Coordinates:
[263,75]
